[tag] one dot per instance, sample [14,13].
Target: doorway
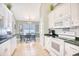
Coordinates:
[28,31]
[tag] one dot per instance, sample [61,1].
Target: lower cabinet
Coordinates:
[13,45]
[70,49]
[57,47]
[47,42]
[5,48]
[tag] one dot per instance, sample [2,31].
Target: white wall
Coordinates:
[43,22]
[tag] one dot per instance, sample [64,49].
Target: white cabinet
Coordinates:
[2,9]
[48,45]
[5,48]
[65,15]
[59,14]
[62,16]
[71,49]
[13,43]
[3,13]
[47,42]
[67,9]
[7,16]
[75,14]
[9,21]
[51,19]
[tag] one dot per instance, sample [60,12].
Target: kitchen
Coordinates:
[65,25]
[55,26]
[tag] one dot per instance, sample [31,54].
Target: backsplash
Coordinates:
[69,31]
[76,30]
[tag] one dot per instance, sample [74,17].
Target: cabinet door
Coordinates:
[9,23]
[70,49]
[75,14]
[59,16]
[67,17]
[51,19]
[5,48]
[13,44]
[68,9]
[47,42]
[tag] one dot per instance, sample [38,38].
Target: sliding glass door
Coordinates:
[30,30]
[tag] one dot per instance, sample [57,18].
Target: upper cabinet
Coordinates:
[51,19]
[75,14]
[64,15]
[67,20]
[2,15]
[7,17]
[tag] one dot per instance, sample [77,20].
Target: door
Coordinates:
[30,30]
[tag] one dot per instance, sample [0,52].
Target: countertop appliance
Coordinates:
[77,38]
[52,32]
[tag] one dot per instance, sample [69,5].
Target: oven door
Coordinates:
[57,46]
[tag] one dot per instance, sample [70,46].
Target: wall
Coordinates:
[43,21]
[44,16]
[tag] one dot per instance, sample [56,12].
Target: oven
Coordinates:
[57,46]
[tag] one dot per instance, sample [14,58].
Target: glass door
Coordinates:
[29,31]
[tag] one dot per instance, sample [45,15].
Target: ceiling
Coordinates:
[29,11]
[26,11]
